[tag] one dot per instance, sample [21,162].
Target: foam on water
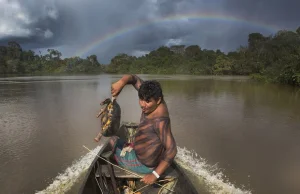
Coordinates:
[208,176]
[64,182]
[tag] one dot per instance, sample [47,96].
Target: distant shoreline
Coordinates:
[271,59]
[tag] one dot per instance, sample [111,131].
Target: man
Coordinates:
[154,147]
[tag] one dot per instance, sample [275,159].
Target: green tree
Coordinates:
[193,52]
[298,30]
[223,65]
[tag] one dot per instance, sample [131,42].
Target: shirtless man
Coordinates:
[154,147]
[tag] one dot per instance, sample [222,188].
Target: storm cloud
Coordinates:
[136,27]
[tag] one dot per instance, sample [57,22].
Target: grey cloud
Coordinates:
[45,21]
[283,13]
[73,24]
[167,7]
[153,33]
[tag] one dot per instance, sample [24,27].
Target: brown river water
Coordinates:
[241,136]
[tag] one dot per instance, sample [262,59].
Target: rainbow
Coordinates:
[171,18]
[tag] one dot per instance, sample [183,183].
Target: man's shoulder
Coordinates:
[163,111]
[161,120]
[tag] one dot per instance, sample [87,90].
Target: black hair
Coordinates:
[150,89]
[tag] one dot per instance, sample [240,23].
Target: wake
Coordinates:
[65,181]
[207,179]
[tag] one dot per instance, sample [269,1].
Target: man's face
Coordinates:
[149,106]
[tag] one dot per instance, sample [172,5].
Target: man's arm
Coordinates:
[169,144]
[169,154]
[117,87]
[132,79]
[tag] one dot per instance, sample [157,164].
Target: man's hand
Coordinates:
[149,179]
[117,87]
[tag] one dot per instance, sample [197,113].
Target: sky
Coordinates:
[136,27]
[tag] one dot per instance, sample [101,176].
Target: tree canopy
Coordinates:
[274,58]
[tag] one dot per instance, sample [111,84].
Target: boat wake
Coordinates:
[64,182]
[209,180]
[206,178]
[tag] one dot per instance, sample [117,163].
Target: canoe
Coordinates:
[105,176]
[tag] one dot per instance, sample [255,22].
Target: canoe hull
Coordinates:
[105,176]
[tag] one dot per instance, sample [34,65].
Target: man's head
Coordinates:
[150,95]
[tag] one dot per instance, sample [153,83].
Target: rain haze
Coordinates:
[134,27]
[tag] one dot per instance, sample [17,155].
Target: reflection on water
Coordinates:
[249,131]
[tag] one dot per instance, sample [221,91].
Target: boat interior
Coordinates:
[105,176]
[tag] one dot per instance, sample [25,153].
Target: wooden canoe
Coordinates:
[105,176]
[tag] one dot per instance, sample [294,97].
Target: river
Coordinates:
[242,136]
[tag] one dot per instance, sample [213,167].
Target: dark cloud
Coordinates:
[168,7]
[71,25]
[36,23]
[278,12]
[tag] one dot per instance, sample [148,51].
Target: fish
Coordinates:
[110,118]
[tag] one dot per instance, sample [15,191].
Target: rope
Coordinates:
[164,187]
[98,185]
[141,189]
[125,169]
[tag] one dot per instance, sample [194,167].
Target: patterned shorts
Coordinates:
[129,161]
